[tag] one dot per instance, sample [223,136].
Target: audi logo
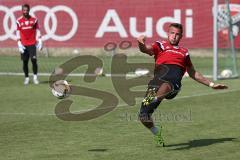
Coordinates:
[50,16]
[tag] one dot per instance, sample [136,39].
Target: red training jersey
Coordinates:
[27,28]
[165,53]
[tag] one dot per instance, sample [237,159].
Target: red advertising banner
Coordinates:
[70,23]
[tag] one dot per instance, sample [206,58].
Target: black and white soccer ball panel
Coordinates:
[61,89]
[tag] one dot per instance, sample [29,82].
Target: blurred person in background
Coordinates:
[28,40]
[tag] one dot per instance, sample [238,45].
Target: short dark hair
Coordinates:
[177,25]
[26,6]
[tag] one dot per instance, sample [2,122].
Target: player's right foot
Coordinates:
[35,81]
[26,81]
[158,138]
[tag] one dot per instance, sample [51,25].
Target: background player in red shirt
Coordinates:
[27,32]
[171,62]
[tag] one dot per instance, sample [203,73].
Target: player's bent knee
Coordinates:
[164,90]
[33,60]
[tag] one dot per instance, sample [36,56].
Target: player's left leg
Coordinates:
[25,59]
[33,55]
[153,98]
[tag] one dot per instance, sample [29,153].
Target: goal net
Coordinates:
[226,28]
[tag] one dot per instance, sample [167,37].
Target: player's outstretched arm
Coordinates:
[197,76]
[142,46]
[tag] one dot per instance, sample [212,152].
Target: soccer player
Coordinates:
[171,62]
[28,38]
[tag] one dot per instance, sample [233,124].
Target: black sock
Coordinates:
[25,68]
[34,66]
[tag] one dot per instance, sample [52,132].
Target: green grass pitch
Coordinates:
[200,123]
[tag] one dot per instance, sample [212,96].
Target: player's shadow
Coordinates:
[97,150]
[199,143]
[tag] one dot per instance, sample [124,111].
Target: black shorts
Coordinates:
[166,73]
[169,73]
[29,52]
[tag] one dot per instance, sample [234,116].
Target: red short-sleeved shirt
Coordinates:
[165,53]
[27,28]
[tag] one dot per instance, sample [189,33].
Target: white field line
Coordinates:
[121,105]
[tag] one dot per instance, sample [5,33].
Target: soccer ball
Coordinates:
[61,89]
[98,71]
[226,73]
